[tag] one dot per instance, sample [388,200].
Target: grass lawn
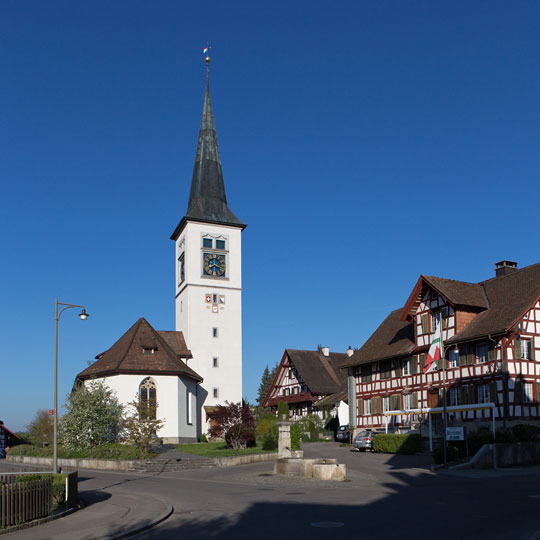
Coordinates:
[218,449]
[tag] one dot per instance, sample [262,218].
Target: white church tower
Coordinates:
[208,282]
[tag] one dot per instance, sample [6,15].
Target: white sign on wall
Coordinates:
[454,434]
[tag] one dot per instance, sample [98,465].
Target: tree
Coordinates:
[235,423]
[93,416]
[266,383]
[141,424]
[41,429]
[282,410]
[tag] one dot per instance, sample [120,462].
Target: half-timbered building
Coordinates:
[303,377]
[491,336]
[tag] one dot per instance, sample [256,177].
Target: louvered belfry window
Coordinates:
[148,398]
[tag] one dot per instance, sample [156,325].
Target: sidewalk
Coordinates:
[104,516]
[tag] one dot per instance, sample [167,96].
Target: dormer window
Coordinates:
[148,350]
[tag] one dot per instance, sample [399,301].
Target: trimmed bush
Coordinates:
[296,436]
[203,438]
[270,438]
[478,438]
[504,435]
[526,432]
[395,443]
[58,486]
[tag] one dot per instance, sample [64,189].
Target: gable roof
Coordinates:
[127,355]
[321,374]
[394,337]
[510,297]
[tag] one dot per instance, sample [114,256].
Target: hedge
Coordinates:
[395,443]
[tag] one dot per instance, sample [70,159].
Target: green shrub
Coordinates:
[203,438]
[296,436]
[270,438]
[265,423]
[504,435]
[283,409]
[478,438]
[395,443]
[526,432]
[453,453]
[58,485]
[104,451]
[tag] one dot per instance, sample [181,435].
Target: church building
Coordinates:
[188,372]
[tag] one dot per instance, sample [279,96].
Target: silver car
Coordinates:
[363,440]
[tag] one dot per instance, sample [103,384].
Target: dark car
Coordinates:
[343,434]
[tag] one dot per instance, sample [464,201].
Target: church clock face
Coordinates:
[213,264]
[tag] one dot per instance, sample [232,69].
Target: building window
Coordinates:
[214,332]
[215,392]
[289,374]
[148,350]
[526,349]
[181,269]
[215,362]
[148,398]
[367,406]
[386,403]
[386,370]
[207,243]
[189,407]
[527,392]
[482,353]
[454,397]
[365,373]
[220,244]
[407,367]
[407,401]
[453,358]
[484,395]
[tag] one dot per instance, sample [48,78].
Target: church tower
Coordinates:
[208,281]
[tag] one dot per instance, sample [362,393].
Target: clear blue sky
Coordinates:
[364,143]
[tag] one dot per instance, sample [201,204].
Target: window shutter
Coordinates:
[422,361]
[376,405]
[425,323]
[395,402]
[492,353]
[414,400]
[439,363]
[493,392]
[360,407]
[463,396]
[398,368]
[413,364]
[518,392]
[517,348]
[537,396]
[444,319]
[471,393]
[465,352]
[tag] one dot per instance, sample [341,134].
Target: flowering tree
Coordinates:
[235,423]
[93,416]
[141,425]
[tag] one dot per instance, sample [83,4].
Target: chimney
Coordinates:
[350,351]
[503,268]
[325,351]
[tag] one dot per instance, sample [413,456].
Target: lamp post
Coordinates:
[83,316]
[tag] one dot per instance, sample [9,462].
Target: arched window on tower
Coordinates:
[148,398]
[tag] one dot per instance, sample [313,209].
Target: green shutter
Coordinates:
[360,407]
[422,358]
[376,405]
[395,402]
[537,396]
[466,353]
[463,395]
[492,353]
[444,318]
[398,368]
[413,361]
[517,349]
[425,323]
[493,392]
[439,363]
[414,400]
[518,392]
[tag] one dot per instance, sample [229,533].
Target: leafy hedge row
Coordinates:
[395,443]
[58,485]
[105,451]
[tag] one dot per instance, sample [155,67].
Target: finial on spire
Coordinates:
[206,50]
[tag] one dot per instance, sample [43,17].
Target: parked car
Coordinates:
[343,434]
[363,440]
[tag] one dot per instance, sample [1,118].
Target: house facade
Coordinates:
[304,377]
[491,336]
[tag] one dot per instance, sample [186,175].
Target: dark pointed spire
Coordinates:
[207,199]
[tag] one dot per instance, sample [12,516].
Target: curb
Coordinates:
[167,513]
[39,521]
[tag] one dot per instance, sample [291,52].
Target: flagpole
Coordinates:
[443,354]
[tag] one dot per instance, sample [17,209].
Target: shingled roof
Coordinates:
[127,355]
[509,296]
[207,199]
[393,337]
[459,293]
[321,374]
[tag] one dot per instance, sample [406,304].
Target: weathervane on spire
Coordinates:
[206,51]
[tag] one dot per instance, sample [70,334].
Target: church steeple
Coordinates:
[207,199]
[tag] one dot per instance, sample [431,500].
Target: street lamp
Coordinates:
[83,316]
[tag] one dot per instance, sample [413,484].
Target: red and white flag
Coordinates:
[435,350]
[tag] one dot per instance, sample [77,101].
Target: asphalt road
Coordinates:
[384,497]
